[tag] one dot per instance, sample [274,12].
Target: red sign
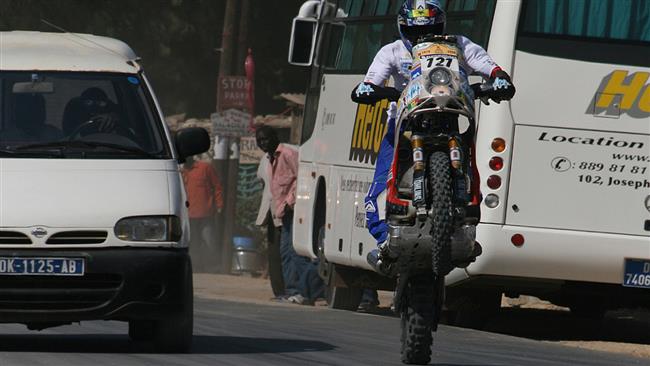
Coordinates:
[233,92]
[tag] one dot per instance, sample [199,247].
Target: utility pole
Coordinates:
[230,209]
[243,35]
[222,146]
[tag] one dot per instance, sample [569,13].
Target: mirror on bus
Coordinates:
[303,41]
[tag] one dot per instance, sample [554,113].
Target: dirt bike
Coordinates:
[430,187]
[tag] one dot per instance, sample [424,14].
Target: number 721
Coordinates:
[440,61]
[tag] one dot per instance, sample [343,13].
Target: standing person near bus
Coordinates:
[415,19]
[266,217]
[302,283]
[204,193]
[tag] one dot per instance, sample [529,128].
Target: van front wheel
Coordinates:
[174,333]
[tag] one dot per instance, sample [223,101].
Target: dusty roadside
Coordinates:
[626,332]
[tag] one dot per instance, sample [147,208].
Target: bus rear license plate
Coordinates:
[637,273]
[32,266]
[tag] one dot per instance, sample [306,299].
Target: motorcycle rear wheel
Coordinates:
[442,219]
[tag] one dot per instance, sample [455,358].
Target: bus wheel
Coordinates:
[324,267]
[342,298]
[471,308]
[593,311]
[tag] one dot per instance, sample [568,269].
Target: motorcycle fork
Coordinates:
[419,172]
[459,159]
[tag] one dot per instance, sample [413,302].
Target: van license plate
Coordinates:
[637,273]
[30,266]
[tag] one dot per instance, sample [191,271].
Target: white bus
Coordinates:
[565,166]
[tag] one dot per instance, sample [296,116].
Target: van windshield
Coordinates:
[78,115]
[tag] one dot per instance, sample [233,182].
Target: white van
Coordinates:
[93,216]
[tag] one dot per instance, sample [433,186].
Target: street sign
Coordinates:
[233,92]
[232,122]
[249,153]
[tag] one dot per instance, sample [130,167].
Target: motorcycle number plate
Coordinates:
[431,61]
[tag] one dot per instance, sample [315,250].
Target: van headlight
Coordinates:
[440,76]
[149,228]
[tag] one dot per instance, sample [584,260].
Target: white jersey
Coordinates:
[395,60]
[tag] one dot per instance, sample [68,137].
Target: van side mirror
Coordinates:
[191,141]
[303,34]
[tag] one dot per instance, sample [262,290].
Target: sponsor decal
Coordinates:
[370,207]
[364,89]
[360,219]
[405,64]
[500,84]
[353,185]
[622,92]
[368,131]
[416,72]
[429,49]
[413,92]
[328,119]
[601,141]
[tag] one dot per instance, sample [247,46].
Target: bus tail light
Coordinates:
[517,240]
[491,200]
[494,182]
[498,144]
[496,163]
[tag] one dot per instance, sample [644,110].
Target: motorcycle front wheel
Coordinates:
[442,219]
[418,319]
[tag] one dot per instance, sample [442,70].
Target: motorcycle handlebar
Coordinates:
[367,93]
[482,90]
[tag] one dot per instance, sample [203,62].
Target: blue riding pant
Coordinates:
[376,225]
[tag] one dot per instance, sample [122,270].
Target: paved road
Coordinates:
[230,333]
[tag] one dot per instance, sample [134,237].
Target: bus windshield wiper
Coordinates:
[86,144]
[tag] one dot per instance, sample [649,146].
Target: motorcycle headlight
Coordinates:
[440,76]
[149,228]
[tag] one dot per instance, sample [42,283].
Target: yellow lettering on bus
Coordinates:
[616,85]
[644,102]
[368,121]
[368,132]
[356,137]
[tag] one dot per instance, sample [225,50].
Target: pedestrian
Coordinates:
[265,217]
[205,197]
[302,283]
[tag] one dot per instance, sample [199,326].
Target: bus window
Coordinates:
[606,31]
[351,45]
[470,18]
[366,8]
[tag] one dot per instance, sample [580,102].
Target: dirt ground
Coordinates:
[625,331]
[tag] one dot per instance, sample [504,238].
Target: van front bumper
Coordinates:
[118,284]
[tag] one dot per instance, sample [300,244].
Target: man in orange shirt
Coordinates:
[205,195]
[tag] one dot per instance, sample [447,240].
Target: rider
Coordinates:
[415,19]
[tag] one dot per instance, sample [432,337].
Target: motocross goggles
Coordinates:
[415,32]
